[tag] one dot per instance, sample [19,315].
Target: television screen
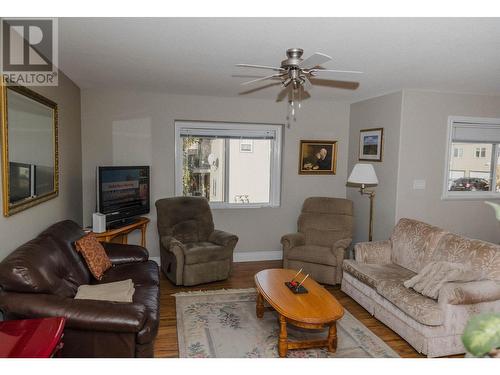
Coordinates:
[123,191]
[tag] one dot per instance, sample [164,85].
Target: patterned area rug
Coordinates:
[222,324]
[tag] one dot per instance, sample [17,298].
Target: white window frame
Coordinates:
[460,152]
[480,149]
[468,195]
[276,152]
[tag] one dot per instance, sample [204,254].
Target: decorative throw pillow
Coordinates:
[94,254]
[434,275]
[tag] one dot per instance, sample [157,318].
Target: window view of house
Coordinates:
[473,168]
[229,164]
[249,169]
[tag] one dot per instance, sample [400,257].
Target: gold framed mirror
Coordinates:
[30,159]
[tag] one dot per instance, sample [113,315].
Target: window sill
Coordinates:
[470,196]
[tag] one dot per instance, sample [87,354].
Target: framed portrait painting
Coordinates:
[318,157]
[370,144]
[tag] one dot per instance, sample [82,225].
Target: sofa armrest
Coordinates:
[292,240]
[377,252]
[120,253]
[339,250]
[175,246]
[469,293]
[222,238]
[87,315]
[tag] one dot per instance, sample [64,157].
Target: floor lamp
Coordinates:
[362,175]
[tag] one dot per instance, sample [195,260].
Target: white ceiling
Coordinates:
[197,55]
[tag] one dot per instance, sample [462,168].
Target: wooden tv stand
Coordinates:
[120,234]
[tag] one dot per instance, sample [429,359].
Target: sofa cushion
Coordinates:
[65,233]
[413,243]
[482,257]
[189,217]
[373,274]
[434,275]
[325,237]
[38,266]
[423,309]
[203,252]
[186,231]
[325,220]
[94,254]
[313,254]
[143,273]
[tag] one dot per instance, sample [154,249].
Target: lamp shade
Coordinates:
[363,174]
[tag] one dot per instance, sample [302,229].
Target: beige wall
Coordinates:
[149,119]
[423,148]
[25,225]
[380,112]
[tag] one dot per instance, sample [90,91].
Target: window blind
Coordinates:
[475,133]
[225,133]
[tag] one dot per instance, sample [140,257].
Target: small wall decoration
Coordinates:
[318,157]
[370,144]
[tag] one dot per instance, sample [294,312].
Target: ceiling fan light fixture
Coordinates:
[287,82]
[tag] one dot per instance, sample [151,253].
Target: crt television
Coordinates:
[122,192]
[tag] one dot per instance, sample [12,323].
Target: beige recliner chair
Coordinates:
[191,250]
[324,234]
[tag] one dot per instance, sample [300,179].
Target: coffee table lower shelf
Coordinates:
[284,344]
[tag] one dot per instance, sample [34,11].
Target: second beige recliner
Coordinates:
[324,234]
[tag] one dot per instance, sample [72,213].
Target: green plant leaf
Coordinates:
[482,334]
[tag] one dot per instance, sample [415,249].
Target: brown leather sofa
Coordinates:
[41,277]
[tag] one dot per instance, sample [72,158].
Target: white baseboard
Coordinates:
[247,256]
[255,256]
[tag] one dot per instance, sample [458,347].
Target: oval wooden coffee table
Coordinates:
[313,310]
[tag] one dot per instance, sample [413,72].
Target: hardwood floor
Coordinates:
[243,277]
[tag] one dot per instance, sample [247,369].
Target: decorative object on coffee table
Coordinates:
[296,286]
[313,310]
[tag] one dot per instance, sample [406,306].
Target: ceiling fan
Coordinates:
[296,71]
[298,74]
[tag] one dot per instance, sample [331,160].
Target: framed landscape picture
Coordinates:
[318,157]
[370,144]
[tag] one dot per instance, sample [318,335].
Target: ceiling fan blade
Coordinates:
[252,90]
[336,84]
[259,67]
[332,72]
[261,79]
[314,60]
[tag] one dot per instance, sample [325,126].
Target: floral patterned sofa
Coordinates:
[433,327]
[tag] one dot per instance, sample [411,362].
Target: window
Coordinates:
[473,160]
[480,152]
[458,152]
[231,164]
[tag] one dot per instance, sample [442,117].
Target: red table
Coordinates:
[31,338]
